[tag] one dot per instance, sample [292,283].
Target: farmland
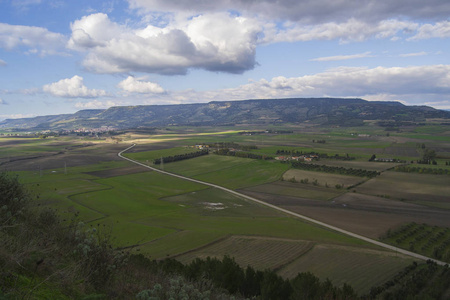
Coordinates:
[162,216]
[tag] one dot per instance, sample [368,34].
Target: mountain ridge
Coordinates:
[326,111]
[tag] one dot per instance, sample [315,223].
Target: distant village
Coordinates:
[50,133]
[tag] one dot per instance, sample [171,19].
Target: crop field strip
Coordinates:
[433,241]
[346,264]
[259,252]
[408,186]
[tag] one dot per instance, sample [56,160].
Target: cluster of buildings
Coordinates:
[92,130]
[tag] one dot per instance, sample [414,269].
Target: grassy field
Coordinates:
[231,172]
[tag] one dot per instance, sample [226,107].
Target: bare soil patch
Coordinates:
[409,187]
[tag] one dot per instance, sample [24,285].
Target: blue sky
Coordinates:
[63,56]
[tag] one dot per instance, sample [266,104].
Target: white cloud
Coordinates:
[350,30]
[72,88]
[2,63]
[438,30]
[37,39]
[413,85]
[16,116]
[95,104]
[439,104]
[134,85]
[414,54]
[343,57]
[217,42]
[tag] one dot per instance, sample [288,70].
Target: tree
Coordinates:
[429,155]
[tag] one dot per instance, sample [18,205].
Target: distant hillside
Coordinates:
[326,111]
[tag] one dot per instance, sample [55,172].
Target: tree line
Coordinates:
[335,170]
[251,283]
[178,157]
[232,145]
[242,154]
[428,281]
[422,170]
[320,155]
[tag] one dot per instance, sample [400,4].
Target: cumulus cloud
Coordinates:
[218,42]
[438,30]
[222,36]
[37,39]
[342,57]
[134,85]
[72,88]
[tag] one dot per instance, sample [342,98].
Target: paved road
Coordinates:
[375,242]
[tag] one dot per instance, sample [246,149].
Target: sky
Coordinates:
[64,56]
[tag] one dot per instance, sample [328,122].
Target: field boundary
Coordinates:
[288,212]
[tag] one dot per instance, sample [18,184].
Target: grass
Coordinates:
[145,208]
[231,172]
[151,155]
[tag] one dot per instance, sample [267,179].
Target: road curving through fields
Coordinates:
[314,221]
